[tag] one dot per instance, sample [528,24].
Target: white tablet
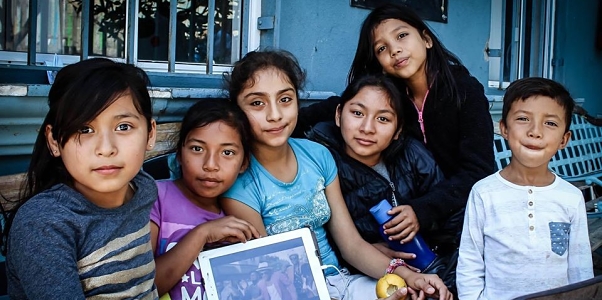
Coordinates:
[277,265]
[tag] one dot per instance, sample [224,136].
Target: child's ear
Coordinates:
[244,166]
[152,135]
[53,145]
[565,140]
[427,39]
[396,136]
[337,116]
[179,155]
[503,129]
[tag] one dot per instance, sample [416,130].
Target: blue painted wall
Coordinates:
[579,62]
[323,35]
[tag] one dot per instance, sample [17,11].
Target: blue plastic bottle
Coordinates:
[424,255]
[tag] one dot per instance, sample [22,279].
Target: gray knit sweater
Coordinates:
[62,246]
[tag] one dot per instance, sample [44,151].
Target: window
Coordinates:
[136,31]
[520,41]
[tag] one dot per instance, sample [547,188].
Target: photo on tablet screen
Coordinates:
[283,266]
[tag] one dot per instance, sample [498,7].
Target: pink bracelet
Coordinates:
[396,262]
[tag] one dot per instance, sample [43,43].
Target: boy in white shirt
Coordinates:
[525,228]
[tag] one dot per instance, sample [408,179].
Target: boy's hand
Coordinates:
[428,285]
[228,229]
[404,226]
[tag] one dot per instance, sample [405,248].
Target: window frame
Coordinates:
[529,52]
[249,35]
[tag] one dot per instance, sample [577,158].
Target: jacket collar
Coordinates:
[328,134]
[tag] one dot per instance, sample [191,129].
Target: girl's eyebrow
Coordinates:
[255,94]
[282,91]
[126,115]
[382,111]
[379,111]
[358,104]
[400,27]
[204,143]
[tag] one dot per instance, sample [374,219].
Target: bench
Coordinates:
[580,163]
[581,160]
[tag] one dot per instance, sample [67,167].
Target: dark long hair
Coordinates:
[80,93]
[438,58]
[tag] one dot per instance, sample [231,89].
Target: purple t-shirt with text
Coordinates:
[176,216]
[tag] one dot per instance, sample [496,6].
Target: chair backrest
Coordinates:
[503,154]
[164,166]
[583,154]
[160,162]
[585,290]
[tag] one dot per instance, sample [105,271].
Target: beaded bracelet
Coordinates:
[396,262]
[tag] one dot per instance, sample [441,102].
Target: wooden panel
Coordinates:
[167,136]
[9,189]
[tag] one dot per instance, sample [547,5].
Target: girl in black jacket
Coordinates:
[376,161]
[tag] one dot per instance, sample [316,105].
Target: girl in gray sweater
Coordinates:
[81,227]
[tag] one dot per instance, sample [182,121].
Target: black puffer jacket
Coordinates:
[410,165]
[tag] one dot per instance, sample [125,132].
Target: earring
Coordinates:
[151,145]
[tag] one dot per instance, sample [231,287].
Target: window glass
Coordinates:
[59,31]
[521,40]
[59,27]
[107,31]
[191,31]
[13,27]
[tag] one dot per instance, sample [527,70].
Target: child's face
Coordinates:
[368,124]
[211,158]
[271,106]
[400,49]
[534,129]
[108,153]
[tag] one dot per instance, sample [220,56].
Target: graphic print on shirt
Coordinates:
[190,286]
[559,236]
[312,212]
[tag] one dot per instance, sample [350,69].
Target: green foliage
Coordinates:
[110,15]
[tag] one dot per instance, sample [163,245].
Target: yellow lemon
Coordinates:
[388,284]
[165,297]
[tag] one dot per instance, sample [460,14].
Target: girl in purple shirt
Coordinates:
[212,149]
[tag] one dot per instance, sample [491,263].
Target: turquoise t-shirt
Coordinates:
[286,206]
